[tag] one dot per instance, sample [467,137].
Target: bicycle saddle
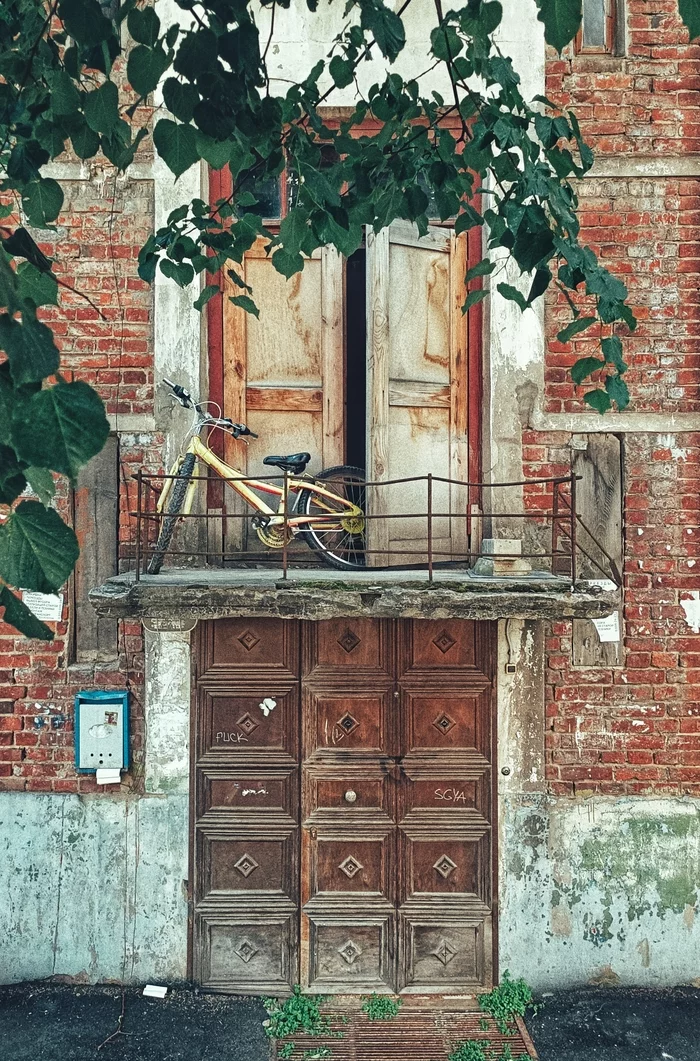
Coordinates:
[294,463]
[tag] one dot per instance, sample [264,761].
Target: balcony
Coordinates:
[428,550]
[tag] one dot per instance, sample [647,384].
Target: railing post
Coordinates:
[573,530]
[285,526]
[139,485]
[430,527]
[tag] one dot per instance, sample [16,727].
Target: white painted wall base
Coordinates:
[93,887]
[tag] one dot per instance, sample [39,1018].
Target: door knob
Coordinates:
[350,796]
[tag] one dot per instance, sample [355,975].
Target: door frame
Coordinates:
[221,186]
[198,642]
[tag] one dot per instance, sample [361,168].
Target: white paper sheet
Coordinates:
[108,777]
[46,606]
[608,627]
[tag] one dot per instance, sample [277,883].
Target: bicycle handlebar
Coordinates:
[187,402]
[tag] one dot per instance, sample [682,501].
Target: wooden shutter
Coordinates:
[284,372]
[417,384]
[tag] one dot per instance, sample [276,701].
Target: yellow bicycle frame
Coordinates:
[245,486]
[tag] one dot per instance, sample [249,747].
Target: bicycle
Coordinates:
[331,522]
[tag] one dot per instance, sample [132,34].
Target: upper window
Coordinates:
[602,27]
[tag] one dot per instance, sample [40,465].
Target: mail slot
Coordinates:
[101,730]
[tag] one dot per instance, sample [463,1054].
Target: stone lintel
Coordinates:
[215,594]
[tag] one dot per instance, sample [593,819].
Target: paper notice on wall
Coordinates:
[46,606]
[108,777]
[608,627]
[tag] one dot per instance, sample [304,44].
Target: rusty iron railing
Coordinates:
[558,510]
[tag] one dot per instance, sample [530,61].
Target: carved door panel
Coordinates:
[246,783]
[348,806]
[396,841]
[444,846]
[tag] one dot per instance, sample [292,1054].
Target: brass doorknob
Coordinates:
[350,796]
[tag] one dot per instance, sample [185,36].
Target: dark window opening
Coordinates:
[355,359]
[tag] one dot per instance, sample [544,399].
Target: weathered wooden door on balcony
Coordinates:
[283,371]
[377,876]
[417,390]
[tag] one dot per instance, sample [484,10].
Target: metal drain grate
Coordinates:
[419,1033]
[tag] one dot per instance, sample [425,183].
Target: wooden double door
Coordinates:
[342,806]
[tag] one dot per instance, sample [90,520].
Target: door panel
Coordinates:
[390,888]
[283,371]
[396,833]
[416,388]
[246,843]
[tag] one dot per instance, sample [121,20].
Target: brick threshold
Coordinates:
[426,1029]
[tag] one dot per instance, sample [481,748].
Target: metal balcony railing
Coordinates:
[416,510]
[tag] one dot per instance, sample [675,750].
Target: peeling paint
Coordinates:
[691,607]
[599,877]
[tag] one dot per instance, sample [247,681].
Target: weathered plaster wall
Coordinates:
[600,888]
[92,888]
[96,887]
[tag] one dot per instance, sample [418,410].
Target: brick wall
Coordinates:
[108,344]
[635,728]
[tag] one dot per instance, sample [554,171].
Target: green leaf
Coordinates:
[342,71]
[37,550]
[41,482]
[85,21]
[30,348]
[585,366]
[176,145]
[245,303]
[561,19]
[145,68]
[86,142]
[42,201]
[574,328]
[540,282]
[12,479]
[689,10]
[61,428]
[473,298]
[101,108]
[17,614]
[618,391]
[209,291]
[483,268]
[598,400]
[512,294]
[144,25]
[612,350]
[445,43]
[469,218]
[38,286]
[216,152]
[386,26]
[65,98]
[181,272]
[180,100]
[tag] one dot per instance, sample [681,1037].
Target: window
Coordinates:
[602,27]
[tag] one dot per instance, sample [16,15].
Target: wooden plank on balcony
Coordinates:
[599,503]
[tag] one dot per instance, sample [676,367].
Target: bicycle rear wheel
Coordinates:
[342,543]
[177,496]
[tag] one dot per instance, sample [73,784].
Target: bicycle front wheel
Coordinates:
[175,501]
[338,533]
